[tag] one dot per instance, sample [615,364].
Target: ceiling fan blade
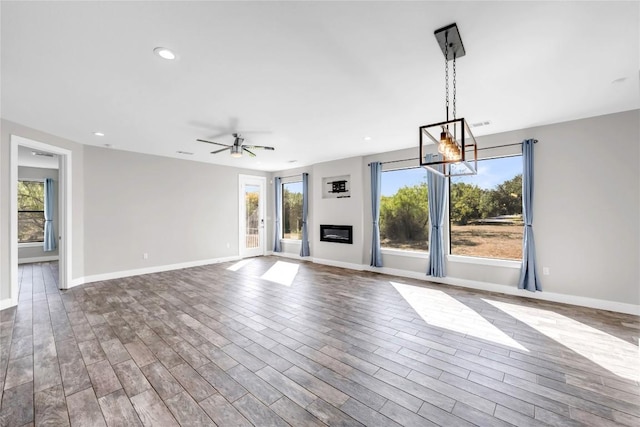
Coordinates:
[220,150]
[211,142]
[262,147]
[252,154]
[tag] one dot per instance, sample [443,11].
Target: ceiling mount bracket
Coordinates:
[451,35]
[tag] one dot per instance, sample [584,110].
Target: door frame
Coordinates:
[64,212]
[261,181]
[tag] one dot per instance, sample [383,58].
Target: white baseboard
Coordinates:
[149,270]
[332,263]
[619,307]
[38,259]
[291,256]
[7,302]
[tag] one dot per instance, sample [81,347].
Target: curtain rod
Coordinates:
[290,176]
[535,141]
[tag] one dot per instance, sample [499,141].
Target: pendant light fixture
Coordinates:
[457,148]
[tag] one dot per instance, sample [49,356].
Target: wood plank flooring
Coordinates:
[219,345]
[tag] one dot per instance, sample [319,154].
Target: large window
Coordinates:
[292,210]
[404,210]
[30,211]
[486,210]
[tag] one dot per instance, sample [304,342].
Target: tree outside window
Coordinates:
[30,211]
[486,210]
[404,210]
[292,210]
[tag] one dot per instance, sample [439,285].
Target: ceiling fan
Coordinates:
[237,148]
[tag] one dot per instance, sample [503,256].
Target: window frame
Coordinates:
[293,180]
[471,259]
[19,211]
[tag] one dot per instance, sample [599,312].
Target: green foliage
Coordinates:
[405,215]
[470,202]
[30,196]
[291,212]
[31,219]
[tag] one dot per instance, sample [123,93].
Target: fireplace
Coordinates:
[336,233]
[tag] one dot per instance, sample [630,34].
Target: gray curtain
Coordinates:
[277,247]
[529,278]
[304,248]
[376,175]
[49,199]
[436,187]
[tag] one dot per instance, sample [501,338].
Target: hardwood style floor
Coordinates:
[269,342]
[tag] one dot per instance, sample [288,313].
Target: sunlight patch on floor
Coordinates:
[238,265]
[281,272]
[441,310]
[612,353]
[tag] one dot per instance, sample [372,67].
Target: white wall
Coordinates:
[29,253]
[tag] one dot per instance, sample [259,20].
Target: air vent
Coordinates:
[480,124]
[186,153]
[38,153]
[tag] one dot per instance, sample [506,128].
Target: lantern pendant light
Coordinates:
[457,148]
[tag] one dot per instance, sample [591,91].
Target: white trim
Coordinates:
[30,245]
[493,262]
[64,211]
[290,241]
[512,290]
[6,303]
[38,259]
[260,181]
[404,253]
[150,270]
[290,255]
[348,265]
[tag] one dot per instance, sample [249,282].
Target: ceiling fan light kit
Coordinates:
[238,147]
[457,147]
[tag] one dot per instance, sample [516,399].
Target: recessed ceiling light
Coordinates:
[292,161]
[98,134]
[620,80]
[107,145]
[367,138]
[164,53]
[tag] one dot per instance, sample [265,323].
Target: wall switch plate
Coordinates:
[145,256]
[545,271]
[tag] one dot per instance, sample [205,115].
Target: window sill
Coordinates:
[290,241]
[404,253]
[30,245]
[493,262]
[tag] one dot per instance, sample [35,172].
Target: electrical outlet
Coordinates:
[145,256]
[228,245]
[545,271]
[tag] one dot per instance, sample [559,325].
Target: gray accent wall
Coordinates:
[176,211]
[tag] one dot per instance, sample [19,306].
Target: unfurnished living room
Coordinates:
[319,213]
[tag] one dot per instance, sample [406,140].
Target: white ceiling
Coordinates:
[315,77]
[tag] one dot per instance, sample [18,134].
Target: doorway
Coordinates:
[252,215]
[63,234]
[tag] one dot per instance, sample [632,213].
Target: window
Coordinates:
[292,210]
[486,210]
[404,210]
[30,211]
